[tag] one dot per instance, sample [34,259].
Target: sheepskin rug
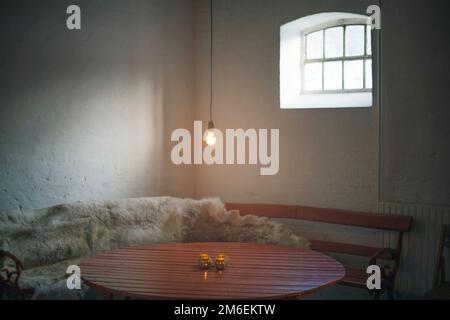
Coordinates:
[48,240]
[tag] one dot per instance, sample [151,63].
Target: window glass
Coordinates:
[334,42]
[340,70]
[353,74]
[369,74]
[333,75]
[314,45]
[354,41]
[368,41]
[313,76]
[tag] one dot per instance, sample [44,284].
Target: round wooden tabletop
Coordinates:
[171,271]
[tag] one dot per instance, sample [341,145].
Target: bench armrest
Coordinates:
[10,280]
[388,254]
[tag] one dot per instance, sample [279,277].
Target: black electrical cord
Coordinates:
[211,62]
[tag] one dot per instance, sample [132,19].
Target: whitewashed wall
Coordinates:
[87,114]
[331,158]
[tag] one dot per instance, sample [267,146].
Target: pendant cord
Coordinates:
[211,62]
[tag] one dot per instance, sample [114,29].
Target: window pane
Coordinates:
[369,74]
[369,40]
[313,76]
[334,42]
[354,41]
[333,75]
[353,74]
[314,45]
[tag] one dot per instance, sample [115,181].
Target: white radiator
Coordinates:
[419,247]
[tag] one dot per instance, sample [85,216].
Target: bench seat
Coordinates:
[346,248]
[355,277]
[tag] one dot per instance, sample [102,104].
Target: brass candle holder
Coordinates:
[221,261]
[204,261]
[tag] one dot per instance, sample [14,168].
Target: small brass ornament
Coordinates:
[221,261]
[204,261]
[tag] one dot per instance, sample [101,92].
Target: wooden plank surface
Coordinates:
[346,248]
[334,216]
[170,271]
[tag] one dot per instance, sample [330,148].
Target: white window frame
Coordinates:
[344,24]
[293,56]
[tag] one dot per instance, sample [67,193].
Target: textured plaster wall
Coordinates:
[416,95]
[88,114]
[84,114]
[328,157]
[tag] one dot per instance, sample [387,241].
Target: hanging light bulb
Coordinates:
[210,136]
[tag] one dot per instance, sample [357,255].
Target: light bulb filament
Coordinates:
[210,137]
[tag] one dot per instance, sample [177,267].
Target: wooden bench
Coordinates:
[354,276]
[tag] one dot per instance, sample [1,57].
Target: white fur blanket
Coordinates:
[50,239]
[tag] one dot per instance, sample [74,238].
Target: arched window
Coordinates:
[326,61]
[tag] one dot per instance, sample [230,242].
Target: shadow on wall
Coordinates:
[83,113]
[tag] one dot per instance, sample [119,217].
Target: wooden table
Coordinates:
[170,271]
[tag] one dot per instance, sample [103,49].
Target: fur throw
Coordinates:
[47,239]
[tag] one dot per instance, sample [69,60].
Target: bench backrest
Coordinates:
[335,216]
